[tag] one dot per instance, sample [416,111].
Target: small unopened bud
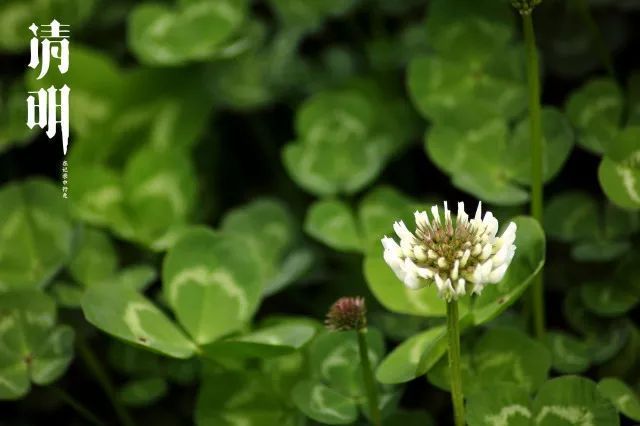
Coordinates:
[347,313]
[525,7]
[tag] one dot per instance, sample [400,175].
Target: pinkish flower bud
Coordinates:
[347,313]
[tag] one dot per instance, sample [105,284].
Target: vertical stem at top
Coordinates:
[537,292]
[453,334]
[369,382]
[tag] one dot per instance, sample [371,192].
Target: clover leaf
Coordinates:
[344,138]
[32,347]
[36,234]
[566,399]
[194,30]
[126,314]
[127,204]
[332,392]
[213,281]
[269,227]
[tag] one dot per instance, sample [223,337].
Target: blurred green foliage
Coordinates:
[233,166]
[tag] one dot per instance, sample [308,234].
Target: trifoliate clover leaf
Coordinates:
[595,110]
[32,347]
[36,234]
[344,139]
[194,30]
[619,171]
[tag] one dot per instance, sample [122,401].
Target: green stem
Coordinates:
[369,382]
[77,406]
[596,35]
[533,73]
[453,334]
[101,376]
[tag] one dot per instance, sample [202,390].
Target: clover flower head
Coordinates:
[459,256]
[525,7]
[347,313]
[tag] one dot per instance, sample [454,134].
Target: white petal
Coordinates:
[498,273]
[486,269]
[448,290]
[504,255]
[486,251]
[407,248]
[402,231]
[477,274]
[454,271]
[448,284]
[442,263]
[477,288]
[447,214]
[500,257]
[419,253]
[478,216]
[411,278]
[465,257]
[432,254]
[390,244]
[392,260]
[422,219]
[399,272]
[463,218]
[481,273]
[512,251]
[412,281]
[435,214]
[509,235]
[392,257]
[498,243]
[439,282]
[444,287]
[425,273]
[460,289]
[491,225]
[396,264]
[479,228]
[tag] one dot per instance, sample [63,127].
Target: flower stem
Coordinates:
[367,375]
[453,334]
[101,376]
[77,406]
[533,73]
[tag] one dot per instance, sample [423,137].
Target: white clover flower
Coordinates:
[458,258]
